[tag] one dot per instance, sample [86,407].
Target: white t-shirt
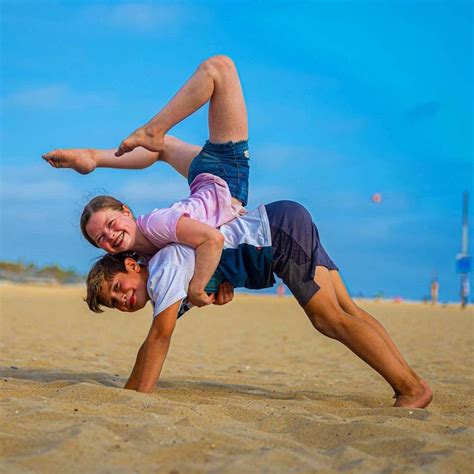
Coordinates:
[170,272]
[171,268]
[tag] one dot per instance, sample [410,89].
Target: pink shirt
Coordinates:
[210,202]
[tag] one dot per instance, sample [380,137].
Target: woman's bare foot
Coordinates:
[147,137]
[419,398]
[79,159]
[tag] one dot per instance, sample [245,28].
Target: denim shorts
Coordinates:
[229,161]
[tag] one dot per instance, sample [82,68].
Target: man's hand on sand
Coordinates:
[146,137]
[79,159]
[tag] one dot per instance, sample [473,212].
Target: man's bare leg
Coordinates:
[348,305]
[176,153]
[216,81]
[329,318]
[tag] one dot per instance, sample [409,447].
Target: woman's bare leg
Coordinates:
[348,305]
[360,337]
[86,160]
[216,81]
[176,153]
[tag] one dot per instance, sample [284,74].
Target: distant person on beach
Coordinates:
[217,174]
[434,291]
[465,291]
[276,238]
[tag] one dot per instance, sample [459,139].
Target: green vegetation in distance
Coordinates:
[19,271]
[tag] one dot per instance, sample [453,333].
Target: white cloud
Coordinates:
[304,79]
[137,16]
[343,125]
[33,184]
[393,202]
[158,191]
[274,155]
[264,194]
[46,200]
[54,96]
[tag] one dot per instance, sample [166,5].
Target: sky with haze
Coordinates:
[345,99]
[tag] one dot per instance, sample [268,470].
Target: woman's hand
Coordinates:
[200,298]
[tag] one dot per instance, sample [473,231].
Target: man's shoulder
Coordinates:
[171,255]
[170,271]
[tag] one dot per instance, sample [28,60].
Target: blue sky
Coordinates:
[345,99]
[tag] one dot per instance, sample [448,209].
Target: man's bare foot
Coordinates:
[79,159]
[147,137]
[420,398]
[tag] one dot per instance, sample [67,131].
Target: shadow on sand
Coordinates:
[169,387]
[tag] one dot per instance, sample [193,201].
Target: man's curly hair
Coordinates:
[104,270]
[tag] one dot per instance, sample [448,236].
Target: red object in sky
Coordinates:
[377,198]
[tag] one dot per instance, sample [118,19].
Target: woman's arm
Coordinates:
[208,243]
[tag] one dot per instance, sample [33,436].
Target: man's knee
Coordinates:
[354,310]
[330,323]
[350,307]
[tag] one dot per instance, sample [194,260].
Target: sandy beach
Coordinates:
[249,387]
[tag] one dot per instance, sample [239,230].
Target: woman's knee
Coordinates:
[218,65]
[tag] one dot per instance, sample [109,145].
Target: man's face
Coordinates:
[126,291]
[113,231]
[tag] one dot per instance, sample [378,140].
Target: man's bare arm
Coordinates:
[225,295]
[132,382]
[155,348]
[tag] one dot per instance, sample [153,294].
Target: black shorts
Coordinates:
[296,248]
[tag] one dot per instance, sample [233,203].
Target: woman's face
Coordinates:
[113,231]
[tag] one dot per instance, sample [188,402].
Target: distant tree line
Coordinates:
[19,271]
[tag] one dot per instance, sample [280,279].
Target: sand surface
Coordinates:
[249,387]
